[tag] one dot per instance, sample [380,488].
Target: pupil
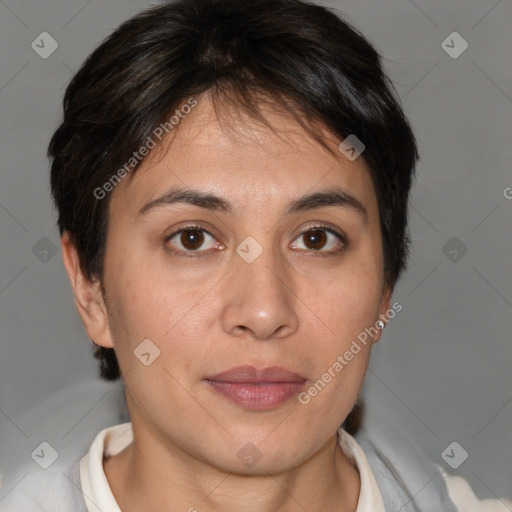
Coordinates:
[192,239]
[316,237]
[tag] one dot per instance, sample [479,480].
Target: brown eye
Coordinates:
[315,239]
[192,239]
[320,239]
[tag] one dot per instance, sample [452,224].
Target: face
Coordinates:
[250,277]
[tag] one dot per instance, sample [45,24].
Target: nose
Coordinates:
[259,299]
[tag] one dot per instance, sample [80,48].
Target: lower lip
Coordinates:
[258,397]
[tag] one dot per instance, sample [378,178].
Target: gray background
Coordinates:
[443,363]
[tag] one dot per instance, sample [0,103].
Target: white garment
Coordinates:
[465,499]
[79,484]
[110,441]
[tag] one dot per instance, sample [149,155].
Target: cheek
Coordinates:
[347,304]
[151,304]
[341,358]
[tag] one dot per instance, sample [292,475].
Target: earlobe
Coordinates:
[87,294]
[383,318]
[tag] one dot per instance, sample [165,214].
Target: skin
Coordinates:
[294,307]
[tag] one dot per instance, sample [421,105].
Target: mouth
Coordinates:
[257,389]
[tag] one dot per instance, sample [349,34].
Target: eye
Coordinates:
[192,239]
[320,239]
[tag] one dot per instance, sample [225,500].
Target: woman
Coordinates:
[232,182]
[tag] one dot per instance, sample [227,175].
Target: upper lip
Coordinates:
[250,374]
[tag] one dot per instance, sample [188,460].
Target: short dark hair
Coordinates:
[299,56]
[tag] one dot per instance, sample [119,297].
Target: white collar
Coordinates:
[112,440]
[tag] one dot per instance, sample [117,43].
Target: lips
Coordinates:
[257,389]
[250,374]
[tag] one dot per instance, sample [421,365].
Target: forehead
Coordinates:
[232,155]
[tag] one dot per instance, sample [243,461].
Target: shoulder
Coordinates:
[407,478]
[64,425]
[465,499]
[55,489]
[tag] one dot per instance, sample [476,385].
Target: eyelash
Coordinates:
[321,226]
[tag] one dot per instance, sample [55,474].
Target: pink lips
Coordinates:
[257,389]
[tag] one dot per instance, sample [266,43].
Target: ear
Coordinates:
[385,305]
[88,296]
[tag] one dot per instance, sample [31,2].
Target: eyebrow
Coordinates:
[330,197]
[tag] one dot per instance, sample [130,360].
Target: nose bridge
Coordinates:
[259,300]
[265,275]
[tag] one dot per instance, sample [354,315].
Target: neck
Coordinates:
[147,477]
